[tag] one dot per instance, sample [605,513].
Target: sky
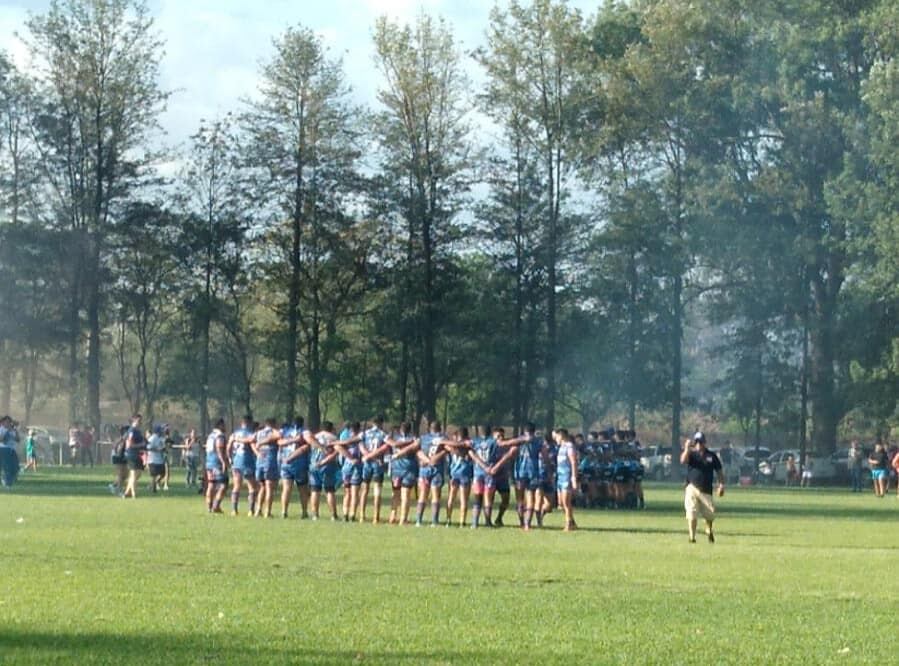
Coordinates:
[214,47]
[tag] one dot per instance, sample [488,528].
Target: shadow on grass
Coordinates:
[100,647]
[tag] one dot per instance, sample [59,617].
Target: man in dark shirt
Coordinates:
[702,465]
[879,463]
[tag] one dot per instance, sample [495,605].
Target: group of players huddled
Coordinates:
[546,471]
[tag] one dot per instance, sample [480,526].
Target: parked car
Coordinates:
[735,465]
[749,454]
[657,462]
[774,468]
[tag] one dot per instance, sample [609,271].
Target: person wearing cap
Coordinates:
[702,464]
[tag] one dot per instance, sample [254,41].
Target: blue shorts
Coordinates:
[373,471]
[548,487]
[483,483]
[404,479]
[245,469]
[267,469]
[351,474]
[527,481]
[215,475]
[878,474]
[457,480]
[323,479]
[299,475]
[501,482]
[433,476]
[563,483]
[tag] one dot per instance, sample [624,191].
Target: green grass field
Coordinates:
[796,576]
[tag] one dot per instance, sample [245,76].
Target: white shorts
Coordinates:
[698,503]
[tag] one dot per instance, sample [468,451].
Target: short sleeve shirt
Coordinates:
[701,468]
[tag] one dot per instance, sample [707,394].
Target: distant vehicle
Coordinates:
[774,467]
[749,454]
[657,462]
[735,465]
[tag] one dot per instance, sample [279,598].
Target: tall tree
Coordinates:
[306,138]
[147,275]
[533,63]
[423,134]
[97,61]
[213,202]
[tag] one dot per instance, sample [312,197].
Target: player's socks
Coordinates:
[539,518]
[419,512]
[235,499]
[252,500]
[520,510]
[475,514]
[488,515]
[435,513]
[528,517]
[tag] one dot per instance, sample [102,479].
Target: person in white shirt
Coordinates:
[156,458]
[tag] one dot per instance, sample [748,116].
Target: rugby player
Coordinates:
[460,472]
[216,467]
[267,473]
[432,467]
[294,465]
[403,471]
[243,464]
[374,466]
[323,469]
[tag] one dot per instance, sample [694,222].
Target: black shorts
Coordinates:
[119,460]
[135,464]
[157,469]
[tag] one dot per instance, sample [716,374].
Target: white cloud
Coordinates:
[213,48]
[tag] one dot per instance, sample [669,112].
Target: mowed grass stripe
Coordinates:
[795,576]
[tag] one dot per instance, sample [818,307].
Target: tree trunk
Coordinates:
[315,378]
[404,380]
[428,396]
[74,332]
[632,330]
[677,337]
[93,323]
[552,279]
[29,376]
[822,398]
[5,377]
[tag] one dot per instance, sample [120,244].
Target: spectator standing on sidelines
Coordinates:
[702,465]
[74,443]
[879,469]
[86,446]
[135,445]
[30,453]
[9,458]
[156,458]
[119,462]
[191,457]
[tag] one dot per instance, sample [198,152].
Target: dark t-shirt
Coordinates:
[701,468]
[879,460]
